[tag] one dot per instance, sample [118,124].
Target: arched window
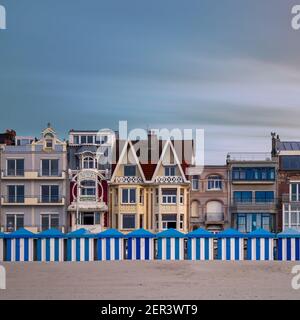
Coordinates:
[214,211]
[89,163]
[195,209]
[214,182]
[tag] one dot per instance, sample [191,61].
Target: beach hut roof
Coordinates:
[261,233]
[80,233]
[289,233]
[110,233]
[2,235]
[200,233]
[230,233]
[140,233]
[51,233]
[170,233]
[20,233]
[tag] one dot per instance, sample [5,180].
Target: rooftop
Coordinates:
[249,156]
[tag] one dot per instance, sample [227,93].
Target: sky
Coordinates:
[229,67]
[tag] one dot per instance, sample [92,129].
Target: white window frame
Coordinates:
[165,198]
[297,183]
[49,214]
[128,192]
[15,185]
[15,214]
[50,171]
[129,214]
[15,160]
[49,185]
[170,168]
[215,179]
[91,160]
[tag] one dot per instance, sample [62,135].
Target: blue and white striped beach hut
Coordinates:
[260,245]
[80,245]
[170,245]
[231,245]
[289,245]
[110,245]
[1,246]
[140,245]
[19,245]
[200,245]
[50,246]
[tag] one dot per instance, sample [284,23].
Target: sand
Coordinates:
[150,280]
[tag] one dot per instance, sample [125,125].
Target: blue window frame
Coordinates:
[264,196]
[253,174]
[290,163]
[247,222]
[242,196]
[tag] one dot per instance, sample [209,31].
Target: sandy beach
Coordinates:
[150,280]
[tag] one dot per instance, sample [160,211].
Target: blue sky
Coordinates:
[230,67]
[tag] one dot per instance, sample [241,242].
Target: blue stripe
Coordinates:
[198,249]
[17,249]
[56,249]
[99,249]
[117,248]
[138,248]
[206,248]
[267,251]
[168,249]
[298,249]
[39,250]
[107,248]
[288,249]
[26,249]
[219,249]
[8,250]
[159,254]
[189,249]
[77,249]
[257,243]
[177,249]
[279,249]
[47,249]
[237,249]
[147,249]
[249,249]
[69,248]
[228,249]
[86,249]
[130,248]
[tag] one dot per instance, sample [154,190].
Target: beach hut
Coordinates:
[140,245]
[1,246]
[80,245]
[50,246]
[260,245]
[19,245]
[170,245]
[110,245]
[289,245]
[200,245]
[231,245]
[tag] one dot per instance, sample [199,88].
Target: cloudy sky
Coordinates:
[231,67]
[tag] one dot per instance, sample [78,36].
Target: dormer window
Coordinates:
[129,170]
[170,171]
[89,163]
[214,183]
[49,143]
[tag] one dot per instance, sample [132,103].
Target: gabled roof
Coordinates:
[261,233]
[21,233]
[289,233]
[110,233]
[140,233]
[51,233]
[123,154]
[230,233]
[167,144]
[200,233]
[170,233]
[80,233]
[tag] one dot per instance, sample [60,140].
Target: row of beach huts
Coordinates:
[81,245]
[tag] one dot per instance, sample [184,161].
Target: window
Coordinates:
[181,221]
[76,139]
[195,183]
[169,196]
[23,141]
[181,197]
[247,222]
[156,221]
[90,139]
[214,183]
[128,195]
[49,167]
[88,188]
[156,196]
[241,223]
[295,192]
[14,222]
[170,171]
[15,194]
[89,163]
[50,193]
[242,196]
[49,221]
[101,139]
[141,221]
[89,218]
[169,221]
[264,196]
[128,221]
[250,174]
[15,167]
[141,196]
[290,163]
[49,143]
[83,139]
[129,170]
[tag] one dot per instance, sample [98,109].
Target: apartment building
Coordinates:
[34,183]
[253,191]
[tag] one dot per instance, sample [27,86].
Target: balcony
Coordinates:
[249,156]
[128,179]
[32,200]
[33,228]
[31,175]
[253,205]
[214,218]
[287,198]
[169,179]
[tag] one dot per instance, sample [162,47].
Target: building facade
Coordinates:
[34,183]
[89,170]
[253,191]
[209,199]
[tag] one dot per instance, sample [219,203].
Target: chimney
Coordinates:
[275,140]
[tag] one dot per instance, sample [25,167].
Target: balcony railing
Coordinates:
[31,174]
[217,217]
[255,204]
[249,156]
[34,227]
[31,200]
[169,179]
[127,179]
[287,198]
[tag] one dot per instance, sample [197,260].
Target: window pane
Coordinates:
[20,167]
[125,196]
[128,221]
[132,196]
[10,222]
[129,171]
[54,167]
[45,168]
[45,222]
[54,221]
[54,193]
